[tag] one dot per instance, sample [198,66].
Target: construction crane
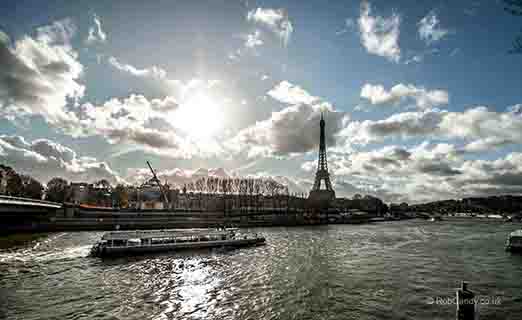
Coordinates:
[163,194]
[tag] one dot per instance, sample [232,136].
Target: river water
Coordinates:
[392,270]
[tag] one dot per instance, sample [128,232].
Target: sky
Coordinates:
[421,99]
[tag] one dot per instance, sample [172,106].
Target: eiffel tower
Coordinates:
[318,194]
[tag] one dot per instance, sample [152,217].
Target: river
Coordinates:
[393,270]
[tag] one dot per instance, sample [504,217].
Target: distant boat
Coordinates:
[139,242]
[514,241]
[436,218]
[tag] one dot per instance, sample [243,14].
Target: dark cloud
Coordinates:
[147,137]
[294,129]
[508,179]
[18,82]
[437,168]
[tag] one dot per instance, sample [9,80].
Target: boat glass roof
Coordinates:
[142,234]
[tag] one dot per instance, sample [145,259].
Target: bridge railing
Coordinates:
[29,200]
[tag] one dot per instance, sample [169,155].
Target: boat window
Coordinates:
[133,242]
[119,243]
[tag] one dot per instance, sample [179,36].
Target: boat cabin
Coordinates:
[148,238]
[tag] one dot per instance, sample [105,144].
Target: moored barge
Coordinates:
[139,242]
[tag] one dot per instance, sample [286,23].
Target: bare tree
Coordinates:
[250,191]
[257,191]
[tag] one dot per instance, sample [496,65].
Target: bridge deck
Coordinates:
[7,200]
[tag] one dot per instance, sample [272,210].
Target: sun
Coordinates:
[200,117]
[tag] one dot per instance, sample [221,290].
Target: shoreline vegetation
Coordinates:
[213,202]
[101,195]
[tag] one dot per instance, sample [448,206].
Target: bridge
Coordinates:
[17,205]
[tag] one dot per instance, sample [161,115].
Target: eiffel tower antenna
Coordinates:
[322,174]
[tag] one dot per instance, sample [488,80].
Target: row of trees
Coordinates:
[57,189]
[239,186]
[19,185]
[242,193]
[229,192]
[15,184]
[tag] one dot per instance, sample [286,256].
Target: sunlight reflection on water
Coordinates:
[364,272]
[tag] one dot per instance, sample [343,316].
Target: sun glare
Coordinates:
[199,117]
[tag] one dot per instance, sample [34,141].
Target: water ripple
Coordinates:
[376,271]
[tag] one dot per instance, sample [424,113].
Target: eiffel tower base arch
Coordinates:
[321,198]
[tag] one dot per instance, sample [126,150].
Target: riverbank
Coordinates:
[104,221]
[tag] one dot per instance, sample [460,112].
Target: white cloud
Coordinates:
[276,20]
[39,76]
[427,172]
[487,144]
[176,176]
[288,93]
[146,123]
[96,33]
[489,128]
[430,30]
[403,125]
[152,72]
[178,88]
[379,35]
[292,130]
[479,122]
[515,109]
[423,98]
[125,120]
[395,173]
[348,24]
[253,40]
[44,159]
[419,56]
[4,38]
[454,52]
[59,32]
[415,59]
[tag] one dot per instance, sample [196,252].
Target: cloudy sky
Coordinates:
[422,101]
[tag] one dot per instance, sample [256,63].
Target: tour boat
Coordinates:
[514,241]
[138,242]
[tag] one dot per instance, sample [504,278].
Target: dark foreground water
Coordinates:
[381,271]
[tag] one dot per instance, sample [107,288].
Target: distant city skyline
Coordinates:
[421,101]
